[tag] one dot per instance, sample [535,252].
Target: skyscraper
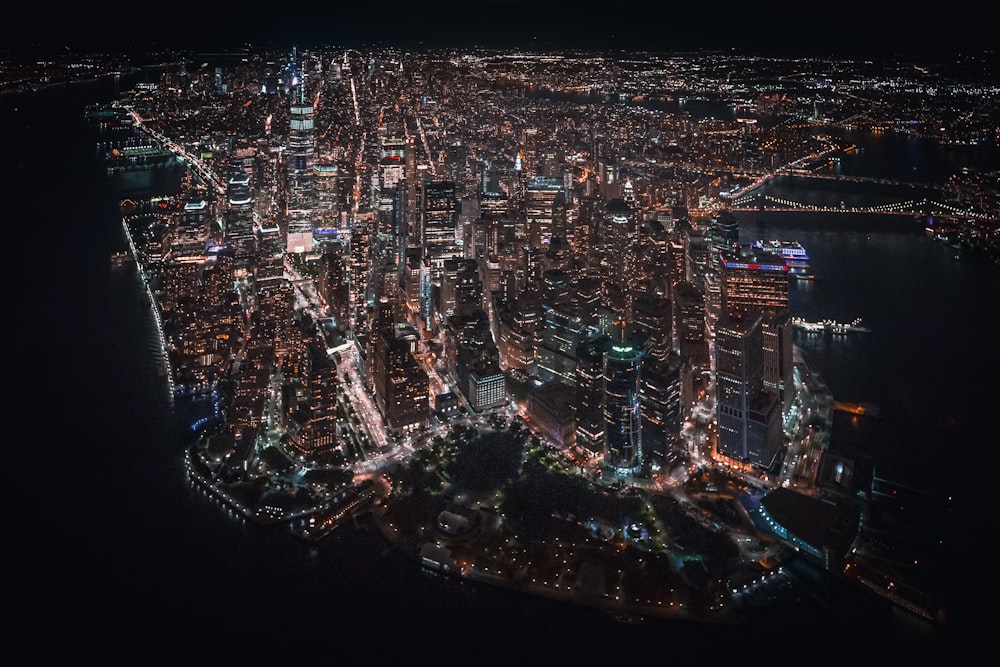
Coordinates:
[590,393]
[439,224]
[620,243]
[622,417]
[544,205]
[301,204]
[660,403]
[752,278]
[688,320]
[748,411]
[402,388]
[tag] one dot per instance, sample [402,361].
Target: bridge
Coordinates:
[810,173]
[914,207]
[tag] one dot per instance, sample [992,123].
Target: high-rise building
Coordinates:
[586,295]
[676,268]
[690,334]
[748,411]
[653,321]
[440,222]
[561,332]
[688,312]
[413,272]
[752,278]
[622,417]
[494,203]
[590,425]
[723,231]
[362,287]
[333,284]
[516,323]
[779,364]
[620,240]
[545,209]
[468,288]
[660,403]
[327,227]
[402,388]
[461,290]
[439,240]
[470,352]
[301,196]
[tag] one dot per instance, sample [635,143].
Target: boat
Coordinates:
[624,617]
[795,256]
[121,258]
[830,326]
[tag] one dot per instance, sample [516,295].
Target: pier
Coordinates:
[350,502]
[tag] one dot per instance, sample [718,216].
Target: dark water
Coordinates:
[927,364]
[123,541]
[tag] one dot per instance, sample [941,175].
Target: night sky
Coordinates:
[852,28]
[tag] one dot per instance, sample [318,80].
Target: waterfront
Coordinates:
[149,540]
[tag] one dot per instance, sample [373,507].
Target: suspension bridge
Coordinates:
[913,207]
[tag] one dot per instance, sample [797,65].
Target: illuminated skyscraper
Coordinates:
[748,411]
[590,393]
[301,177]
[723,230]
[562,330]
[653,322]
[545,209]
[327,227]
[402,388]
[688,325]
[440,223]
[660,403]
[620,240]
[752,278]
[622,418]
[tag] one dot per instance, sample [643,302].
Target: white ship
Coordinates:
[794,254]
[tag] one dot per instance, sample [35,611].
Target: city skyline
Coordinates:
[404,319]
[701,190]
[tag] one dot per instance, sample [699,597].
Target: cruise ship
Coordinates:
[794,254]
